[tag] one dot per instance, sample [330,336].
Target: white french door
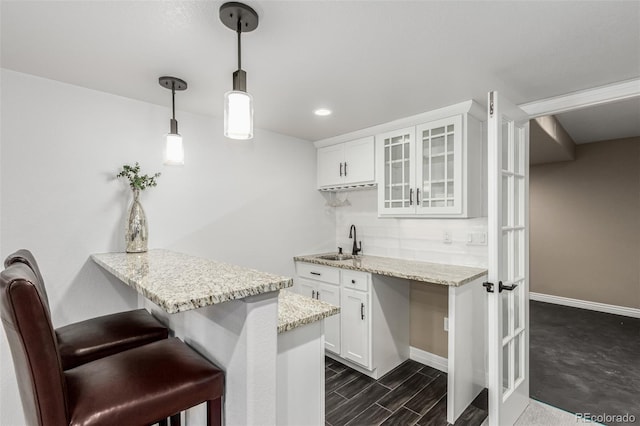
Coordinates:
[508,303]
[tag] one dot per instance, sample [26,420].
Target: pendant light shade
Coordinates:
[238,104]
[173,149]
[238,115]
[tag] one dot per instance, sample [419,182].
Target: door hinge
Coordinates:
[491,104]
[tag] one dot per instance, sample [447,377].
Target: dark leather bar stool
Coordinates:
[136,387]
[95,338]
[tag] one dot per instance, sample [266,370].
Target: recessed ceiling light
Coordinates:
[322,112]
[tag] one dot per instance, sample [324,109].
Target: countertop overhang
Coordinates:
[295,310]
[179,282]
[435,273]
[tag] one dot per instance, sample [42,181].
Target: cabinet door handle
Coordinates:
[315,273]
[345,168]
[353,281]
[317,295]
[313,294]
[417,196]
[362,311]
[411,197]
[340,169]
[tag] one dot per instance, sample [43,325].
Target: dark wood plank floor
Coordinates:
[411,394]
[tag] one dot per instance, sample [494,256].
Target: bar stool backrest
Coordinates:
[26,257]
[32,340]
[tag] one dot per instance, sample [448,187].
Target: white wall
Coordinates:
[417,239]
[250,203]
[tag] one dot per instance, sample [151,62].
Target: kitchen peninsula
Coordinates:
[239,319]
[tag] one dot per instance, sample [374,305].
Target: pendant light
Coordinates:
[238,104]
[173,151]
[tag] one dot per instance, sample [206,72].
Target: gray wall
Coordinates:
[585,224]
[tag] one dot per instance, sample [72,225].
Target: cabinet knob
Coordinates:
[353,281]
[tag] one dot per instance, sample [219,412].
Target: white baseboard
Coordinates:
[427,358]
[585,304]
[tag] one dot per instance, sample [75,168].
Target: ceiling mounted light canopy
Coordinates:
[238,104]
[173,151]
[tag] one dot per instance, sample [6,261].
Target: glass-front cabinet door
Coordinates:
[397,191]
[439,167]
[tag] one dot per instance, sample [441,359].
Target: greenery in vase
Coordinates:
[137,181]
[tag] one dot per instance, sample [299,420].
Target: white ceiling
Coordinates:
[609,121]
[369,61]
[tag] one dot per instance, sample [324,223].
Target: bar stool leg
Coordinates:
[175,420]
[214,412]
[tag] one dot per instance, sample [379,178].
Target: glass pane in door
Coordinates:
[516,269]
[504,273]
[506,198]
[437,169]
[505,314]
[437,144]
[517,351]
[505,369]
[505,145]
[517,322]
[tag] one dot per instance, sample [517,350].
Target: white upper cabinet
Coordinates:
[346,164]
[428,165]
[432,169]
[396,171]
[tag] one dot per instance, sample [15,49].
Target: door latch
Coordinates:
[506,287]
[489,287]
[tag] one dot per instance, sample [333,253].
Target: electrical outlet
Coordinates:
[482,238]
[446,237]
[477,239]
[446,324]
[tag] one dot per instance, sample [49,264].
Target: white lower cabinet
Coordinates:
[371,333]
[329,293]
[356,327]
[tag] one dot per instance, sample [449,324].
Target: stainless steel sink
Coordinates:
[335,257]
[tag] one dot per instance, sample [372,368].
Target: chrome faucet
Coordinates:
[352,234]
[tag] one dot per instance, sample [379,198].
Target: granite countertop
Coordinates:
[435,273]
[295,310]
[179,282]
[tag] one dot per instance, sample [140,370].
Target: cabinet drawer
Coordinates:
[318,272]
[356,280]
